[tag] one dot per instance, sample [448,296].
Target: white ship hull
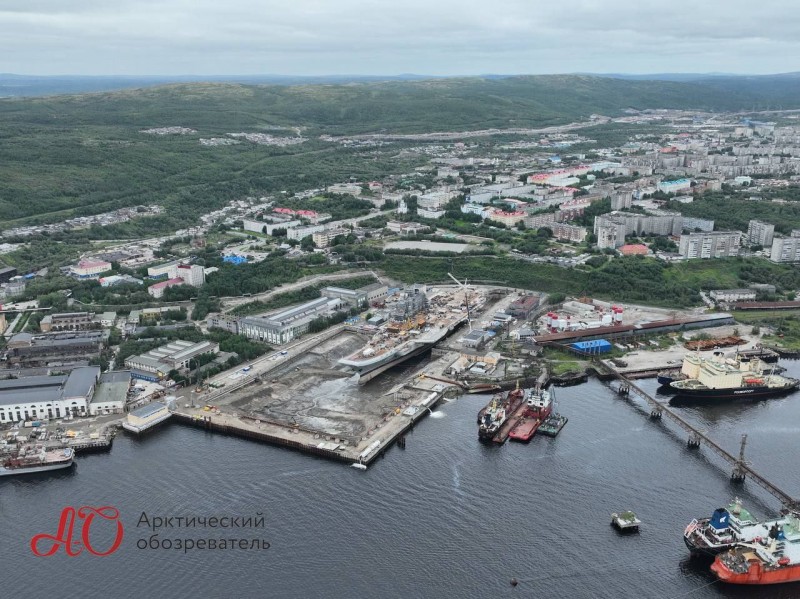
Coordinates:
[34,469]
[369,368]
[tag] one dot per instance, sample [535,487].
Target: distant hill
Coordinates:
[403,106]
[79,154]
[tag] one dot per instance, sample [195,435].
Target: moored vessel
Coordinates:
[31,459]
[497,412]
[721,378]
[538,406]
[726,527]
[772,559]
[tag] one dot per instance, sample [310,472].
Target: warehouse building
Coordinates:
[172,356]
[289,324]
[46,397]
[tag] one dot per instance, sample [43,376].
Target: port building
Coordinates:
[111,393]
[282,327]
[45,397]
[157,363]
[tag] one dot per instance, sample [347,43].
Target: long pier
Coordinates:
[741,469]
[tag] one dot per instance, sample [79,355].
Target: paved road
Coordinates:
[259,366]
[230,303]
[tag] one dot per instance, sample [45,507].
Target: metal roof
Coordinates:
[148,410]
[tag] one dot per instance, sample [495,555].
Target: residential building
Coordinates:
[172,356]
[168,270]
[509,219]
[260,226]
[298,233]
[611,235]
[732,295]
[693,224]
[760,233]
[565,232]
[539,220]
[48,397]
[192,274]
[429,213]
[714,244]
[621,199]
[661,223]
[674,186]
[785,249]
[158,289]
[323,239]
[90,269]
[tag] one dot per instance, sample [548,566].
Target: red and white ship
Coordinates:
[538,406]
[772,559]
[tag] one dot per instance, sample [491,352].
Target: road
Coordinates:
[457,135]
[258,367]
[230,303]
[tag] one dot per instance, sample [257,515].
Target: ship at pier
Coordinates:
[773,558]
[497,412]
[727,526]
[30,459]
[538,407]
[416,321]
[720,378]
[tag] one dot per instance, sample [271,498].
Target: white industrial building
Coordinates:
[46,397]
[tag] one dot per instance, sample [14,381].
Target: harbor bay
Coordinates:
[453,516]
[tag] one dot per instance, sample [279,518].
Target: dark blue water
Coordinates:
[445,517]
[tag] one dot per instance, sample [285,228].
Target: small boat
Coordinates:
[358,466]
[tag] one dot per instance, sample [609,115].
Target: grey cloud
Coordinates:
[382,37]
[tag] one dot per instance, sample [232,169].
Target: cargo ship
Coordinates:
[538,406]
[417,323]
[770,559]
[497,411]
[721,378]
[32,459]
[726,527]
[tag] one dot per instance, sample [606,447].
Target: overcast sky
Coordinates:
[387,37]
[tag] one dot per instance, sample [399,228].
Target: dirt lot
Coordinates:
[312,392]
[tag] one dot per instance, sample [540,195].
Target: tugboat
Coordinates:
[718,378]
[726,527]
[538,407]
[495,414]
[771,559]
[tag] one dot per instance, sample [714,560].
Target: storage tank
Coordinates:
[606,319]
